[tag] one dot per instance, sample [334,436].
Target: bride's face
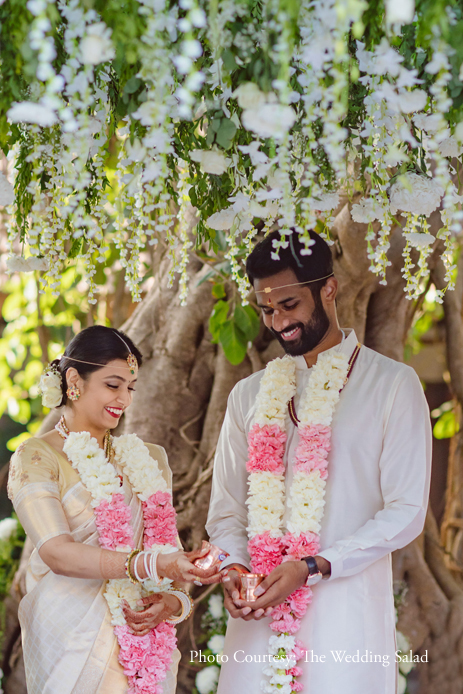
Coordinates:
[105,393]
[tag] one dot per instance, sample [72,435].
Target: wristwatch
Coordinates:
[315,574]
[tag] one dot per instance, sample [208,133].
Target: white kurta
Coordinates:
[376,498]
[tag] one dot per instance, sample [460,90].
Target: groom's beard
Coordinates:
[312,333]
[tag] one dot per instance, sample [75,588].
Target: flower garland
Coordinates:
[145,659]
[268,545]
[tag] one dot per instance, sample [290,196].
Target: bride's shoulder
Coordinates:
[157,452]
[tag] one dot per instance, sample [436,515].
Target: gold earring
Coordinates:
[73,393]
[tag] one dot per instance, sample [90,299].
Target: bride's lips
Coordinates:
[115,414]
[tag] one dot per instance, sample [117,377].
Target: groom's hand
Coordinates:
[283,581]
[237,608]
[231,590]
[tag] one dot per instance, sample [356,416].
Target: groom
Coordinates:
[376,491]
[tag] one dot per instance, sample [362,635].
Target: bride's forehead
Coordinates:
[115,367]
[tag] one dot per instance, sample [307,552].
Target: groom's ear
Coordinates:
[329,290]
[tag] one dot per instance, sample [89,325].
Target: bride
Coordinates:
[101,607]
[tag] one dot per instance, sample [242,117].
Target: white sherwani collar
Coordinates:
[346,347]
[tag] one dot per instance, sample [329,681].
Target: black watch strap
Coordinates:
[311,565]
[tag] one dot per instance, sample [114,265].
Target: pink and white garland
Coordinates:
[268,545]
[145,659]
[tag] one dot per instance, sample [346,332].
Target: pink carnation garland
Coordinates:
[145,659]
[266,451]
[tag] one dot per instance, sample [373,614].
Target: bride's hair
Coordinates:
[98,345]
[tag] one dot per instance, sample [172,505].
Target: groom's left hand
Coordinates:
[280,583]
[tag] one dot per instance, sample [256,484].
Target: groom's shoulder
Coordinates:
[247,389]
[382,365]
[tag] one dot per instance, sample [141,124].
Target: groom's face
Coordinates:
[297,319]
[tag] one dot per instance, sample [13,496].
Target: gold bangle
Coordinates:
[128,572]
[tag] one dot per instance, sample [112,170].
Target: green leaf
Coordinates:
[226,133]
[229,60]
[76,247]
[217,319]
[216,124]
[247,321]
[446,426]
[218,291]
[193,196]
[233,341]
[210,137]
[132,85]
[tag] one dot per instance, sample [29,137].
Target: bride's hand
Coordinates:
[158,608]
[178,566]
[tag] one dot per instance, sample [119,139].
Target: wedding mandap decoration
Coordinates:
[117,117]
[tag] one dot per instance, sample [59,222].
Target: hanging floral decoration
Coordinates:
[117,119]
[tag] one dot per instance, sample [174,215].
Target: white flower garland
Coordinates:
[266,500]
[100,479]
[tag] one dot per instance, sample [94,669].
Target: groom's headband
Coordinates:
[267,290]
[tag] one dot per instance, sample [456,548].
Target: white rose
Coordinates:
[49,380]
[270,209]
[221,220]
[211,161]
[216,643]
[403,644]
[439,61]
[215,605]
[430,124]
[269,120]
[6,192]
[28,112]
[96,46]
[207,679]
[400,11]
[50,387]
[401,684]
[52,397]
[249,95]
[325,202]
[367,210]
[450,147]
[36,263]
[419,240]
[7,527]
[16,263]
[416,194]
[406,666]
[409,102]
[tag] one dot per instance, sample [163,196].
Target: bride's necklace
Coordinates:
[63,430]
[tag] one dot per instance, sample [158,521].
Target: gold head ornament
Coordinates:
[132,362]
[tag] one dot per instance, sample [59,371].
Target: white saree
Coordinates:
[376,498]
[68,640]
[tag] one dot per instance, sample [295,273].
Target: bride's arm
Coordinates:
[76,560]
